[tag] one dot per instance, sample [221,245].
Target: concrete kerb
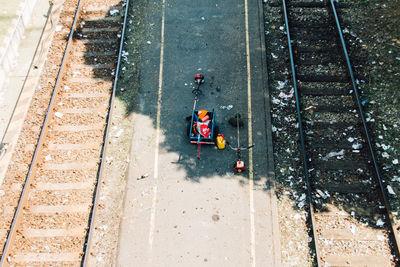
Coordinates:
[268,131]
[20,112]
[11,43]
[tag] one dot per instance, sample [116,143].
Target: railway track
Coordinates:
[50,221]
[350,215]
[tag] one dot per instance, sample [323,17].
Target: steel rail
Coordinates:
[366,131]
[302,139]
[50,12]
[104,149]
[11,234]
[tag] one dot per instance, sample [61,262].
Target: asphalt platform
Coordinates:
[197,212]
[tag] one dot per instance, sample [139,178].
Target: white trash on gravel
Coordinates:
[390,190]
[333,154]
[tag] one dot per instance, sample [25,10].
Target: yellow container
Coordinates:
[221,141]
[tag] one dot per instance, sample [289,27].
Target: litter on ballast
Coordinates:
[353,229]
[281,85]
[395,161]
[274,56]
[276,101]
[364,102]
[310,107]
[148,42]
[385,155]
[379,222]
[385,147]
[109,160]
[380,237]
[390,190]
[59,28]
[283,95]
[322,194]
[333,154]
[350,139]
[47,158]
[114,12]
[58,114]
[357,146]
[118,134]
[297,216]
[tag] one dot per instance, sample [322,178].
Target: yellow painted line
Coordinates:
[250,142]
[157,141]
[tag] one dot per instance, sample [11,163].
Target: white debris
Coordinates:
[385,147]
[67,88]
[148,42]
[76,73]
[390,190]
[302,197]
[274,128]
[395,161]
[281,28]
[114,12]
[118,134]
[333,154]
[297,216]
[356,146]
[229,107]
[274,56]
[379,222]
[202,18]
[58,115]
[2,193]
[47,158]
[283,95]
[324,195]
[280,85]
[353,229]
[109,160]
[59,28]
[350,139]
[385,155]
[380,237]
[276,101]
